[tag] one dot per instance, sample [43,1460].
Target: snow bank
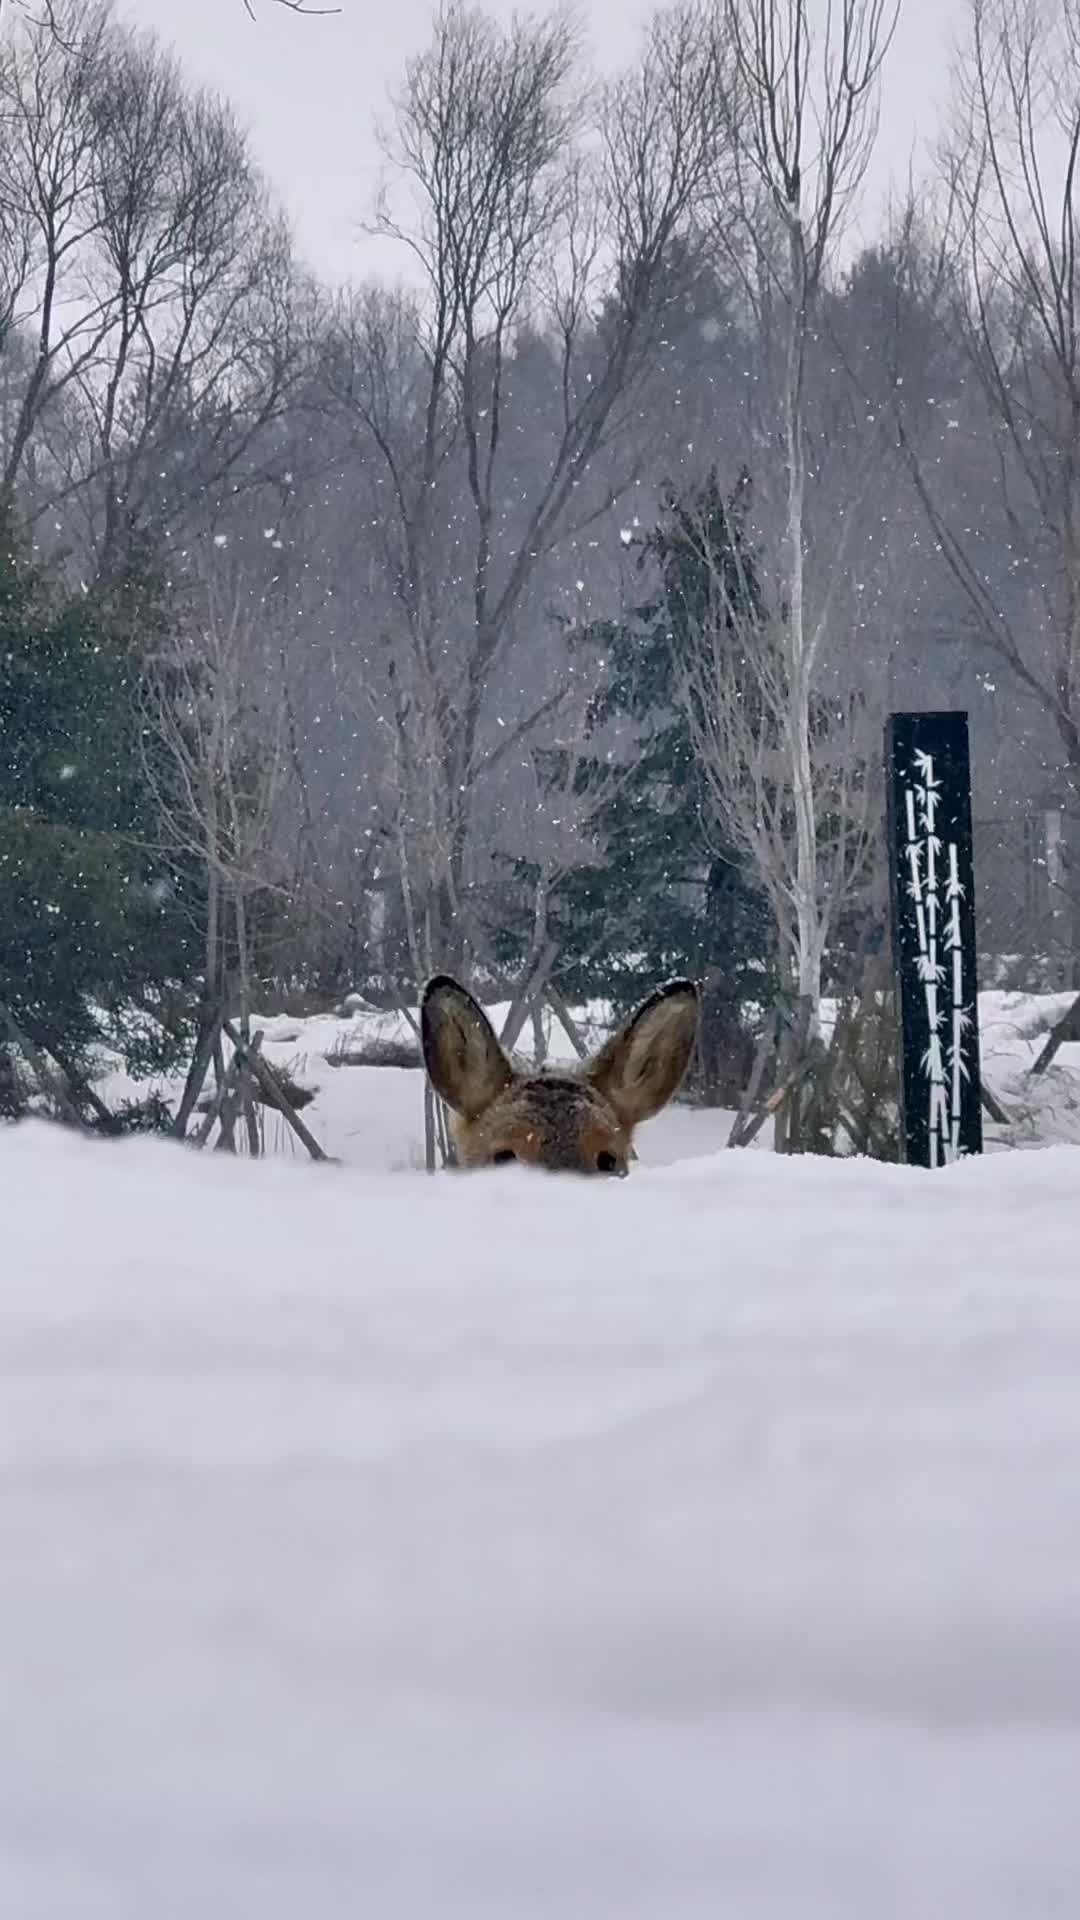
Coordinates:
[509,1548]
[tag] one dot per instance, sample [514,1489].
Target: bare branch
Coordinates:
[293,6]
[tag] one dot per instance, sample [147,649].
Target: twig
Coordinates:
[293,6]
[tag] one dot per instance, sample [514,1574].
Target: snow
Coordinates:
[507,1548]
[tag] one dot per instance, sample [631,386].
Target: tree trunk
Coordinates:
[808,925]
[1069,877]
[808,930]
[246,1082]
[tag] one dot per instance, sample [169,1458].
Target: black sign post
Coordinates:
[932,871]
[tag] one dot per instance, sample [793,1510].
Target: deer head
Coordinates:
[581,1122]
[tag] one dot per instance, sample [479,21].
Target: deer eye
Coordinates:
[503,1157]
[606,1163]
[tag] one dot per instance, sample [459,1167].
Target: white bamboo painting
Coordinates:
[935,891]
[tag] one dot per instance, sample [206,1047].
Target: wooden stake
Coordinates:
[275,1093]
[993,1106]
[236,1092]
[206,1125]
[530,989]
[85,1091]
[750,1119]
[1067,1029]
[197,1072]
[50,1082]
[566,1021]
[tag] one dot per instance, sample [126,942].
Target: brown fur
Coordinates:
[582,1122]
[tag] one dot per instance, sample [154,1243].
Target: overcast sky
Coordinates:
[310,90]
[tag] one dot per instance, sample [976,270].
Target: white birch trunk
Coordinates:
[808,920]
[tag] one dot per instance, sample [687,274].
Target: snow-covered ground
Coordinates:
[372,1117]
[700,1547]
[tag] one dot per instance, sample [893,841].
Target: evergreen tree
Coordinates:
[89,921]
[665,896]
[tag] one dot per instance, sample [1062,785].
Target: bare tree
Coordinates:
[803,118]
[513,227]
[735,667]
[1002,284]
[572,773]
[50,202]
[153,274]
[216,758]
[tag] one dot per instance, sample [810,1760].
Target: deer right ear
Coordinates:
[641,1066]
[466,1065]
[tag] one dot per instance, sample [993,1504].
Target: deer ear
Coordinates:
[640,1067]
[465,1063]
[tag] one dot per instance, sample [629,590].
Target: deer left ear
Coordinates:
[642,1065]
[465,1062]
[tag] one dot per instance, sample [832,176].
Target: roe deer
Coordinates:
[576,1122]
